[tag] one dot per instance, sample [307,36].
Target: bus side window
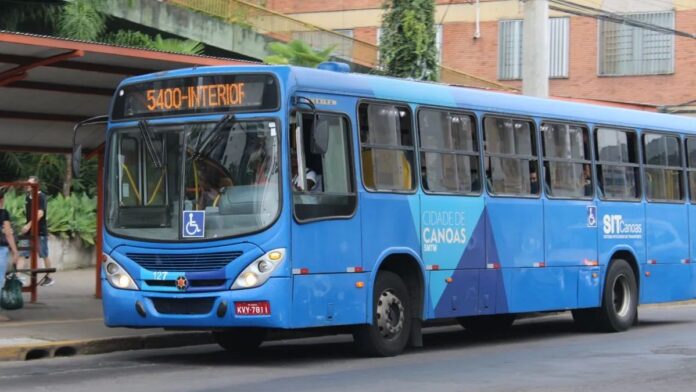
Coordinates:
[449,152]
[691,166]
[618,168]
[567,160]
[387,150]
[663,167]
[326,157]
[510,155]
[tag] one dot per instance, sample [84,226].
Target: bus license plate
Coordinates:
[257,308]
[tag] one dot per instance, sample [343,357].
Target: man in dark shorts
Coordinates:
[43,228]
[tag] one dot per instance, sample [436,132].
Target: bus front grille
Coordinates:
[183,305]
[192,283]
[184,262]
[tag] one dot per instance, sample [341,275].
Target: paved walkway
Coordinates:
[67,314]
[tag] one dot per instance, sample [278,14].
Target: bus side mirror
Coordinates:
[76,160]
[77,148]
[320,136]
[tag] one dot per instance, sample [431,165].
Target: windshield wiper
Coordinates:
[205,147]
[147,137]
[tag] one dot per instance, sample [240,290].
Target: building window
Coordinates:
[510,157]
[510,48]
[449,152]
[629,50]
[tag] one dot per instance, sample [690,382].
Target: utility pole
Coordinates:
[535,48]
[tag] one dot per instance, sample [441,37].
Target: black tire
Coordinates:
[496,324]
[389,332]
[240,340]
[619,307]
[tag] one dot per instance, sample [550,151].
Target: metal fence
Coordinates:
[284,28]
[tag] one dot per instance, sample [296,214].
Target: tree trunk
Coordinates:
[67,184]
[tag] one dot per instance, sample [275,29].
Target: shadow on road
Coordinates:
[309,351]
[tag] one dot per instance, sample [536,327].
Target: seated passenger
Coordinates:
[533,183]
[312,180]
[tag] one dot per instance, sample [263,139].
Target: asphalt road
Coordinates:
[540,354]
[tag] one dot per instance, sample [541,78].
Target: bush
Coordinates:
[68,217]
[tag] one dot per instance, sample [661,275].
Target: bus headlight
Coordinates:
[117,276]
[258,272]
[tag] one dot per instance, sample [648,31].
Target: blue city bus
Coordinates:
[250,199]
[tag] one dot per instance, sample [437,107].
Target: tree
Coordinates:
[407,45]
[80,19]
[297,52]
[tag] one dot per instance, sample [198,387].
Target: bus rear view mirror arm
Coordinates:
[77,148]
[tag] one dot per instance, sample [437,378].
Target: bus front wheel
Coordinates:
[240,340]
[391,318]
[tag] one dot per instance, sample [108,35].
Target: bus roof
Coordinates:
[437,94]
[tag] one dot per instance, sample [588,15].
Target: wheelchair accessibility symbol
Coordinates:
[591,216]
[194,224]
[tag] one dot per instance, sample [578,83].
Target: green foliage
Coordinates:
[177,45]
[128,38]
[14,204]
[407,44]
[81,20]
[50,168]
[141,40]
[68,217]
[19,15]
[297,52]
[73,217]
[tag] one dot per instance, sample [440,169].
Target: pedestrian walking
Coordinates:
[43,228]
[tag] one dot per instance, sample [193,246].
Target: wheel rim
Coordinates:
[390,314]
[622,296]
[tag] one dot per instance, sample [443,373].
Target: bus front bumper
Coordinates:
[209,310]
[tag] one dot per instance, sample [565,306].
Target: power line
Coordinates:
[583,10]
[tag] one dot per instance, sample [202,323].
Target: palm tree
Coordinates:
[297,52]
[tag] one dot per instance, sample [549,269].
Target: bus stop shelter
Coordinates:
[48,84]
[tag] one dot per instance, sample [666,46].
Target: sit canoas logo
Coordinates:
[615,227]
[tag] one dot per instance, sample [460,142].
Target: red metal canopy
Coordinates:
[48,84]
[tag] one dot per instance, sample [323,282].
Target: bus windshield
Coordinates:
[227,171]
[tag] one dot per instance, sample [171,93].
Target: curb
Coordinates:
[68,348]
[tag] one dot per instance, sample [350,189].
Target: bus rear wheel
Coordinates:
[391,318]
[240,340]
[619,307]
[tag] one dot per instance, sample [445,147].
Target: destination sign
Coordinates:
[200,94]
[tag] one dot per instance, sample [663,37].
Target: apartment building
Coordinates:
[591,58]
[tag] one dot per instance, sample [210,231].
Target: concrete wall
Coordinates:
[192,25]
[67,254]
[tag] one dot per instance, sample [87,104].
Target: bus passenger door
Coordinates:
[570,213]
[666,221]
[326,239]
[515,227]
[453,224]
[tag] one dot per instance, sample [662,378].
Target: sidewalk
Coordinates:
[67,320]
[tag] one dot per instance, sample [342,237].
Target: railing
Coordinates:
[284,28]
